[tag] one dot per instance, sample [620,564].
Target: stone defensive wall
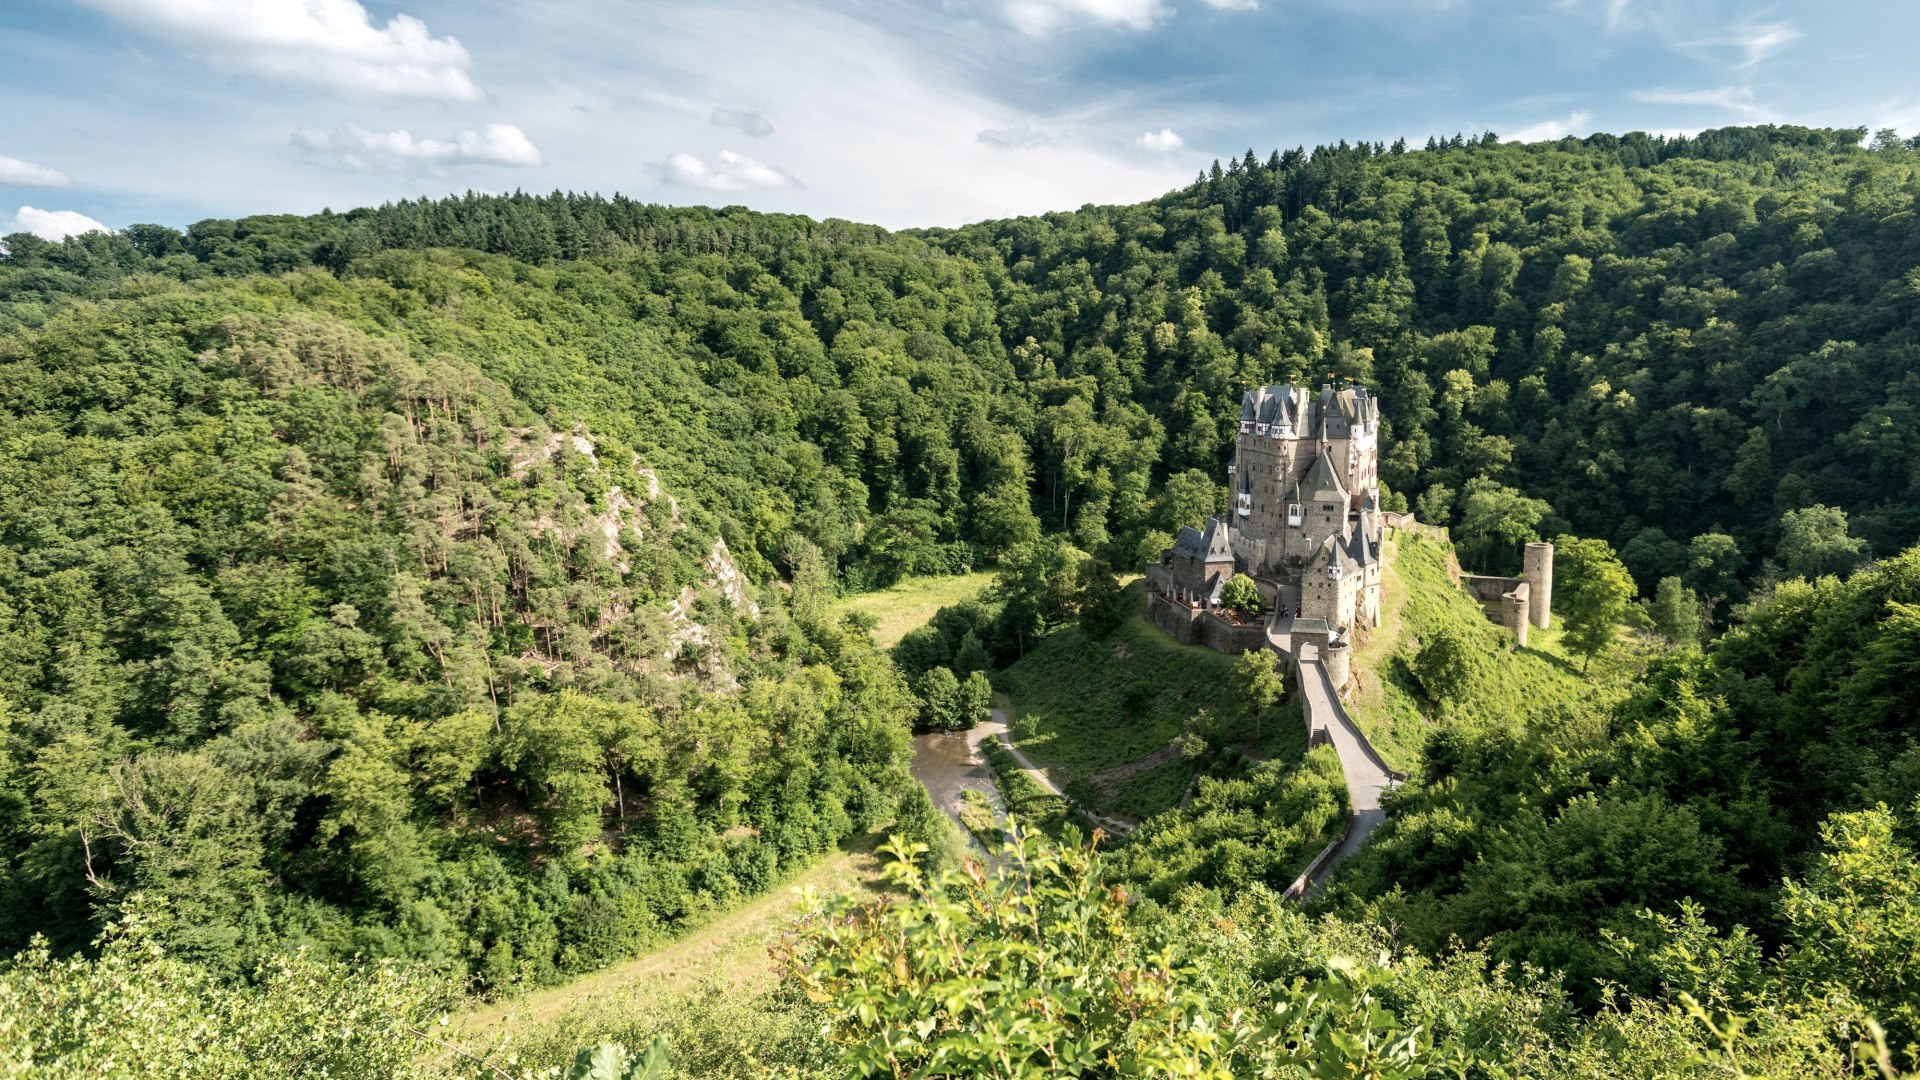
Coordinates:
[1195,626]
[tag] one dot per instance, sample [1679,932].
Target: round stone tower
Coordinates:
[1337,658]
[1538,574]
[1515,610]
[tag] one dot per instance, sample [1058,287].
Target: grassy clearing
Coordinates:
[1082,707]
[909,604]
[1420,599]
[712,992]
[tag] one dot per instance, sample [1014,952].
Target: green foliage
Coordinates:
[1032,968]
[1421,605]
[1258,821]
[1814,541]
[1258,686]
[1083,707]
[1242,595]
[136,1011]
[1026,801]
[949,703]
[1855,921]
[1675,612]
[382,580]
[1593,592]
[1447,664]
[1496,522]
[611,1061]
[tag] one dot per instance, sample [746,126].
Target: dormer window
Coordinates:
[1259,429]
[1246,426]
[1293,513]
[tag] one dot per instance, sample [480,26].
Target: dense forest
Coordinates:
[447,582]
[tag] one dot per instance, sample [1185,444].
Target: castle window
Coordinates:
[1293,513]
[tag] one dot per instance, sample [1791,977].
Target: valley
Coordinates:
[494,608]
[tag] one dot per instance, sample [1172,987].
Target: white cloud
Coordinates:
[495,144]
[1756,43]
[52,225]
[1735,99]
[1027,136]
[745,121]
[1234,5]
[330,43]
[1548,130]
[1164,141]
[725,171]
[19,173]
[1038,18]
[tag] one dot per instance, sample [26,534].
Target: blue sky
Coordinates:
[902,113]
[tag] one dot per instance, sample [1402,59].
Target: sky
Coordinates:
[898,112]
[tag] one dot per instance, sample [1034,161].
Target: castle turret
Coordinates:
[1514,607]
[1537,572]
[1337,658]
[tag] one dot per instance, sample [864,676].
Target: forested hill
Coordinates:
[360,573]
[1659,337]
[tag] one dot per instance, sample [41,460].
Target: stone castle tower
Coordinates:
[1304,519]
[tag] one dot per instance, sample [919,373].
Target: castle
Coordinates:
[1305,523]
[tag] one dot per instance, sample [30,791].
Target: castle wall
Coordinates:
[1489,588]
[1316,524]
[1332,599]
[1190,626]
[1180,622]
[1220,635]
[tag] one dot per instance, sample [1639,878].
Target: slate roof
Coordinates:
[1332,552]
[1359,548]
[1190,544]
[1213,545]
[1331,414]
[1219,540]
[1322,484]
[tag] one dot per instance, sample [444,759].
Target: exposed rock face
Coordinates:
[622,515]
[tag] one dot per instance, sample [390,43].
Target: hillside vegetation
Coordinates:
[1484,676]
[449,584]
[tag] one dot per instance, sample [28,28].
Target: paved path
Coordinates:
[1367,776]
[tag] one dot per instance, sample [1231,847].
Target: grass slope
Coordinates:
[712,992]
[907,605]
[1420,600]
[1083,707]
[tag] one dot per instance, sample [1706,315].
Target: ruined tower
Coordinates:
[1537,572]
